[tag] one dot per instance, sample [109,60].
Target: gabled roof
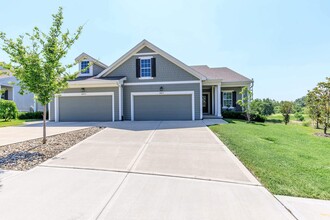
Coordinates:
[90,58]
[146,43]
[221,73]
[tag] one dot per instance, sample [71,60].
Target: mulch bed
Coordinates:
[25,155]
[322,135]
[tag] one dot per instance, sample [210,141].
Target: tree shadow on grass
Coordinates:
[276,121]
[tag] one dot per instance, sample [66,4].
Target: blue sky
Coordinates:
[283,45]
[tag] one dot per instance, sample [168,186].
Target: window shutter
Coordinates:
[153,67]
[138,68]
[234,99]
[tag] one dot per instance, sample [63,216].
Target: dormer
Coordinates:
[89,66]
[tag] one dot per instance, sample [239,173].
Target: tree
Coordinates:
[245,102]
[263,107]
[313,106]
[38,64]
[286,109]
[323,92]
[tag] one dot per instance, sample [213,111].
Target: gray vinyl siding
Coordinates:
[127,90]
[165,107]
[78,90]
[145,50]
[97,69]
[165,71]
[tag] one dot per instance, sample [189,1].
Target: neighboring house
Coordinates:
[8,83]
[147,84]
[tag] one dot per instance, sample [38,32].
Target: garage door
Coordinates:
[85,108]
[162,107]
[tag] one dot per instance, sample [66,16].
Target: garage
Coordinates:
[165,106]
[72,107]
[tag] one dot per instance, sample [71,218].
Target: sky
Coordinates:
[283,45]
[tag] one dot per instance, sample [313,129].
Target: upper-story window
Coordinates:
[227,99]
[83,67]
[145,67]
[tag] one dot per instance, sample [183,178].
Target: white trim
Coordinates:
[192,93]
[143,44]
[49,111]
[85,56]
[219,99]
[77,94]
[200,99]
[212,96]
[98,85]
[161,83]
[208,102]
[230,92]
[145,54]
[146,77]
[146,57]
[120,101]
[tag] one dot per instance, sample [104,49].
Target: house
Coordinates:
[9,86]
[147,83]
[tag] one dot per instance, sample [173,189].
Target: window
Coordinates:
[145,68]
[227,99]
[83,66]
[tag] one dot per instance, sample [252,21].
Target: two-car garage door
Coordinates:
[162,107]
[85,108]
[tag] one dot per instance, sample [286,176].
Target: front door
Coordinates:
[205,103]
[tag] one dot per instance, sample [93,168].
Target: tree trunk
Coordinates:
[317,124]
[44,125]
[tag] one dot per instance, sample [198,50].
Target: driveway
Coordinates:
[141,170]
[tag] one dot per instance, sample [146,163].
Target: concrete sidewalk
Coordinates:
[141,170]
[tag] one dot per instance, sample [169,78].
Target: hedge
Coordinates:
[31,115]
[242,116]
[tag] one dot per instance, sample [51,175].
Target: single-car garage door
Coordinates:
[85,108]
[163,107]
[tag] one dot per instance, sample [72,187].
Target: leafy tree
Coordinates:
[263,107]
[323,92]
[286,109]
[38,63]
[299,104]
[313,105]
[247,96]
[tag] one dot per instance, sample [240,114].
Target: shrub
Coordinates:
[8,110]
[307,123]
[242,116]
[258,118]
[31,115]
[299,116]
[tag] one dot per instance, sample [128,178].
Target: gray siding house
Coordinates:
[9,84]
[147,83]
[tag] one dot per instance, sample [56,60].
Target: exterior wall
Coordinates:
[145,50]
[127,90]
[23,102]
[97,69]
[78,90]
[165,71]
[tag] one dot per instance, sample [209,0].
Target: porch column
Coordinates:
[215,100]
[219,100]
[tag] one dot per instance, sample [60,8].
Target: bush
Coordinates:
[299,116]
[242,116]
[307,123]
[31,115]
[8,110]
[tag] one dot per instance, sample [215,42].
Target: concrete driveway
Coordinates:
[141,170]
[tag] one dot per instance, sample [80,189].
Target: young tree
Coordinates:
[313,106]
[247,97]
[286,109]
[38,63]
[323,91]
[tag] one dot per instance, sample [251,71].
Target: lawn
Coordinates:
[288,160]
[15,122]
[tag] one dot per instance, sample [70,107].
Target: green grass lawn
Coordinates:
[15,122]
[288,160]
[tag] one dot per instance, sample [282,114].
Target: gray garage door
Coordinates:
[162,107]
[85,108]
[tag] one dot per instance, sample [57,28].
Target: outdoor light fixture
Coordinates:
[161,88]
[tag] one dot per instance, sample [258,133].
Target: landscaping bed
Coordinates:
[25,155]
